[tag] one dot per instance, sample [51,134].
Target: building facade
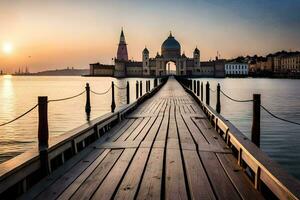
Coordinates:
[158,65]
[236,69]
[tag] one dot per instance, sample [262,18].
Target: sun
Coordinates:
[7,47]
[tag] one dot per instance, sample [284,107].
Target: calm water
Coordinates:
[18,94]
[280,140]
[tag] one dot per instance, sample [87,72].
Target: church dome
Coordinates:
[170,47]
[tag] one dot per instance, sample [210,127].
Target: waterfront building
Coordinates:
[236,69]
[289,62]
[158,65]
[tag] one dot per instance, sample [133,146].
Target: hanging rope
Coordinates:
[31,109]
[67,98]
[250,100]
[273,115]
[101,93]
[120,88]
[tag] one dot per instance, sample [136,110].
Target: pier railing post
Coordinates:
[195,86]
[43,134]
[207,93]
[218,106]
[191,84]
[141,88]
[113,103]
[128,92]
[201,91]
[255,133]
[88,100]
[198,88]
[137,89]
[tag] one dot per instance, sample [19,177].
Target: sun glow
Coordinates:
[7,47]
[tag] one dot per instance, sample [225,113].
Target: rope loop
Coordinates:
[101,93]
[67,98]
[273,115]
[120,88]
[235,100]
[22,115]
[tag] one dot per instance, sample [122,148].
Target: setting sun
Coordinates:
[7,47]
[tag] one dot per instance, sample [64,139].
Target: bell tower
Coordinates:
[122,48]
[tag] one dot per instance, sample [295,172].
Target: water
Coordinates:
[19,93]
[280,140]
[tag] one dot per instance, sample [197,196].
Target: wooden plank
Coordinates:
[151,183]
[55,189]
[133,176]
[174,180]
[199,185]
[127,133]
[137,130]
[110,183]
[238,177]
[218,178]
[183,131]
[154,129]
[88,187]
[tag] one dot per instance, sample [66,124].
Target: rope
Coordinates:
[67,98]
[250,100]
[212,90]
[31,109]
[277,116]
[101,93]
[120,88]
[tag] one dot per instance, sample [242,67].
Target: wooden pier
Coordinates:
[169,147]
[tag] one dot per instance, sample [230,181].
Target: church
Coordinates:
[160,64]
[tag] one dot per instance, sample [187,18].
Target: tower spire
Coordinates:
[122,48]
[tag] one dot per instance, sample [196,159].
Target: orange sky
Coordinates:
[59,34]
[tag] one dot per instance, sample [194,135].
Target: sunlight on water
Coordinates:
[19,93]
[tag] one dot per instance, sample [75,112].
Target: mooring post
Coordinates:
[255,136]
[155,82]
[88,100]
[113,104]
[218,106]
[141,88]
[201,91]
[137,89]
[198,88]
[195,86]
[128,92]
[191,84]
[43,134]
[207,93]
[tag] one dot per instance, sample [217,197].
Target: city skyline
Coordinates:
[52,35]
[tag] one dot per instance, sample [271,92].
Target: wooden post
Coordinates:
[218,106]
[198,88]
[195,86]
[137,89]
[128,92]
[201,91]
[141,88]
[88,101]
[113,104]
[207,93]
[43,134]
[155,82]
[255,136]
[191,84]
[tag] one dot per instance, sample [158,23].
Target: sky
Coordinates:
[73,33]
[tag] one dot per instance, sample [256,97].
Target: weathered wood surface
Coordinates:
[165,149]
